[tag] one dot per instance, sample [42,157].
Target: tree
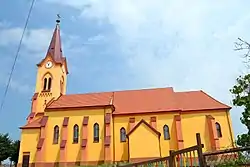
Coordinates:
[5,147]
[241,92]
[15,146]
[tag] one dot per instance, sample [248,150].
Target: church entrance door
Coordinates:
[26,160]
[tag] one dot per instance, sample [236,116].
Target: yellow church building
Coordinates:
[87,129]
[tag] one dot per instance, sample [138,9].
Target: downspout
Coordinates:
[113,134]
[230,128]
[160,144]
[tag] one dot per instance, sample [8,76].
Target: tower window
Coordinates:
[49,84]
[44,83]
[96,133]
[218,129]
[166,132]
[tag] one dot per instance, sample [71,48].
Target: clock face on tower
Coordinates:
[48,64]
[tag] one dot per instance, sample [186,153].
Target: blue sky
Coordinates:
[125,44]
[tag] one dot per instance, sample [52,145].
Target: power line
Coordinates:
[16,56]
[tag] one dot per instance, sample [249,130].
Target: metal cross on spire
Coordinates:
[58,18]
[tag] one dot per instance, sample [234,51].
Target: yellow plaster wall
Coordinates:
[29,139]
[229,120]
[166,145]
[121,148]
[95,150]
[148,147]
[192,122]
[196,122]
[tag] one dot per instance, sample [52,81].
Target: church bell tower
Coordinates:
[51,75]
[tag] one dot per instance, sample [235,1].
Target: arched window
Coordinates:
[49,84]
[56,134]
[96,132]
[44,83]
[122,134]
[218,129]
[75,134]
[166,132]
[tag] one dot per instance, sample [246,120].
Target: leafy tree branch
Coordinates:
[241,93]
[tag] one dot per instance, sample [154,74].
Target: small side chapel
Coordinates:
[106,127]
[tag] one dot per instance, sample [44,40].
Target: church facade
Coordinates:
[108,127]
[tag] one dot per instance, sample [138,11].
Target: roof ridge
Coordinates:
[188,91]
[114,91]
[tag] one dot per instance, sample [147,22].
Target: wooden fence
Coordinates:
[193,156]
[230,157]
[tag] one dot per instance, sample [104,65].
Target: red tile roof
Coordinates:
[82,100]
[198,100]
[34,124]
[141,101]
[135,101]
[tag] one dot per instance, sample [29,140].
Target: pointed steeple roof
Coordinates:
[55,47]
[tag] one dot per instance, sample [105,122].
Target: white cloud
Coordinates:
[34,44]
[35,40]
[73,3]
[184,44]
[10,36]
[4,23]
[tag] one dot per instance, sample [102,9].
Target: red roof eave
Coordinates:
[41,62]
[145,112]
[206,109]
[29,127]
